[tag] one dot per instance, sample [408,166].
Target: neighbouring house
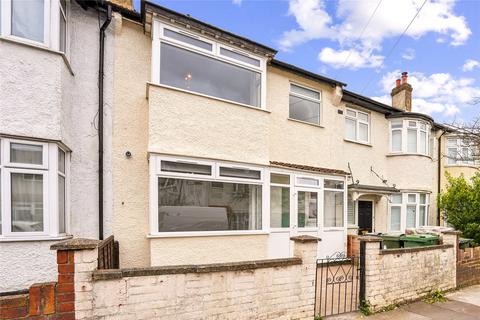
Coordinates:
[222,153]
[49,53]
[214,151]
[458,156]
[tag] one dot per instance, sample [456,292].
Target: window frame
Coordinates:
[290,187]
[358,121]
[51,25]
[403,210]
[49,172]
[156,173]
[319,101]
[459,146]
[406,127]
[158,38]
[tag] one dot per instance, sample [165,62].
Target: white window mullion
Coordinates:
[6,23]
[52,194]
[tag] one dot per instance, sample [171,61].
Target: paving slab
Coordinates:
[462,307]
[434,311]
[468,295]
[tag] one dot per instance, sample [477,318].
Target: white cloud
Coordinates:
[237,2]
[438,93]
[408,54]
[356,59]
[390,20]
[470,64]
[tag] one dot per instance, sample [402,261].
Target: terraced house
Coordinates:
[214,150]
[222,152]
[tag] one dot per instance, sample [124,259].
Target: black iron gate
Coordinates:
[338,285]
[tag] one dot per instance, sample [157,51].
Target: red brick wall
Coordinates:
[45,301]
[353,246]
[468,267]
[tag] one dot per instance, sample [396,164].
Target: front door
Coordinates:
[365,216]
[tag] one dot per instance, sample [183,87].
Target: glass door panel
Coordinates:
[307,209]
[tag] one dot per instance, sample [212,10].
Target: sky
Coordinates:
[363,44]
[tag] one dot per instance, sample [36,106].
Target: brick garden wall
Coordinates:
[395,276]
[44,301]
[468,267]
[353,246]
[265,289]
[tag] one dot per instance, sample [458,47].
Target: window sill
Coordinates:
[409,154]
[191,234]
[307,123]
[352,227]
[158,85]
[358,142]
[34,238]
[38,46]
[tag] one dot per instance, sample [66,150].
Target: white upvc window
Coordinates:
[460,152]
[409,136]
[305,104]
[351,212]
[33,189]
[196,64]
[333,203]
[38,22]
[357,126]
[190,196]
[280,204]
[408,210]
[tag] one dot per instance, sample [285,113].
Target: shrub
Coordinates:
[460,205]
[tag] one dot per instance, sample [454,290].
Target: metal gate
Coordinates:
[338,285]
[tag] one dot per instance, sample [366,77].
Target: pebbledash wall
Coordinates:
[48,95]
[395,276]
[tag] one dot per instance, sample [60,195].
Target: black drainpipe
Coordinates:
[439,172]
[100,120]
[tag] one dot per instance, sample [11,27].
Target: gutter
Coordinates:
[439,172]
[100,119]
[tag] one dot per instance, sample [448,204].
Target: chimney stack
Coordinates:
[402,94]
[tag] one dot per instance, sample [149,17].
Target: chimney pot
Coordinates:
[404,77]
[397,82]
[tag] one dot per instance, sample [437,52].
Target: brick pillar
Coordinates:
[369,273]
[76,259]
[305,248]
[452,237]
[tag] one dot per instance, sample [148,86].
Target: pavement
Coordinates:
[463,304]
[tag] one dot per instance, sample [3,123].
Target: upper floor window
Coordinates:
[42,22]
[304,104]
[193,63]
[409,136]
[33,189]
[460,151]
[357,126]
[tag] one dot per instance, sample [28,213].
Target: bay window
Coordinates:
[460,151]
[304,104]
[196,64]
[409,137]
[40,22]
[408,210]
[33,189]
[357,126]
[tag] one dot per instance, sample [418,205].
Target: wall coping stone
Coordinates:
[110,274]
[415,249]
[305,238]
[370,239]
[76,244]
[452,232]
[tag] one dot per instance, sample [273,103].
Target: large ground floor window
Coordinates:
[408,210]
[200,205]
[191,195]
